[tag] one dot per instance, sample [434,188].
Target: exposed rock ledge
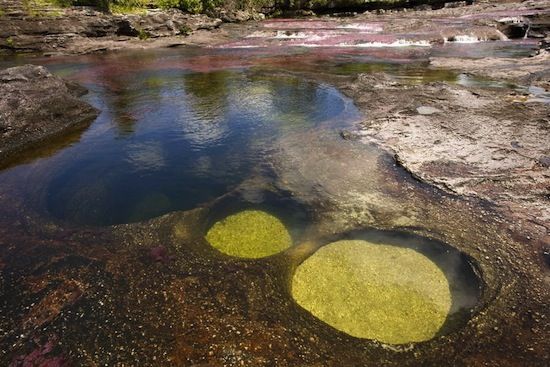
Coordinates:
[79,30]
[531,70]
[471,141]
[36,105]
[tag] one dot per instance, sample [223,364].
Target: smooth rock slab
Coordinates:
[427,110]
[36,105]
[392,294]
[249,234]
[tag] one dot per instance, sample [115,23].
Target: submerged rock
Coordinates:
[391,294]
[249,234]
[36,105]
[160,254]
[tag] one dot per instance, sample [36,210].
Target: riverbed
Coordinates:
[105,258]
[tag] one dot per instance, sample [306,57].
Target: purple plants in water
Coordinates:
[41,356]
[160,254]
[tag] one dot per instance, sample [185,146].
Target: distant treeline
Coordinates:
[191,6]
[201,6]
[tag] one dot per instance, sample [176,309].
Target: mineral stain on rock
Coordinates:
[392,294]
[249,234]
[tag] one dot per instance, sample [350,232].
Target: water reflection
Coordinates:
[191,125]
[146,156]
[170,139]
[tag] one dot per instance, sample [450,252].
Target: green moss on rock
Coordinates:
[391,294]
[249,234]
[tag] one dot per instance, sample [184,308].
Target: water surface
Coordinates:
[179,128]
[171,139]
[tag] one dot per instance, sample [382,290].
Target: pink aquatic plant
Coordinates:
[160,254]
[40,357]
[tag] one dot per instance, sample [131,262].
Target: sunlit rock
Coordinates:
[249,234]
[392,294]
[427,110]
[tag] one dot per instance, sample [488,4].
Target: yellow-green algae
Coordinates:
[391,294]
[249,234]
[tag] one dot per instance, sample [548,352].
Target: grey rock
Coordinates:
[36,105]
[545,161]
[455,4]
[237,16]
[427,110]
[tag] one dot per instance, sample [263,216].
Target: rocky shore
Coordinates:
[76,30]
[43,28]
[471,139]
[36,106]
[532,71]
[492,144]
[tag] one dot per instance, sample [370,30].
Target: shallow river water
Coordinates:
[180,128]
[201,135]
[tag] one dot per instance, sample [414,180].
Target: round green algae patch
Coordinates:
[391,294]
[250,234]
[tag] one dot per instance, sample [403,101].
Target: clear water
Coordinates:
[179,128]
[171,139]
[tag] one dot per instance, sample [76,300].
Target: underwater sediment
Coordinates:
[374,291]
[249,234]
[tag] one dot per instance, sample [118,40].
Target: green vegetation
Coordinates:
[391,294]
[129,6]
[202,6]
[9,42]
[143,35]
[136,6]
[185,30]
[62,3]
[191,6]
[249,234]
[103,5]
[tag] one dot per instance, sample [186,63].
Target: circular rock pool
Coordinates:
[249,234]
[388,290]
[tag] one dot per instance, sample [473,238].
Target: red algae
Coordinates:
[41,356]
[160,254]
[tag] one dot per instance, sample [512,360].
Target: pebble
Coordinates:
[427,110]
